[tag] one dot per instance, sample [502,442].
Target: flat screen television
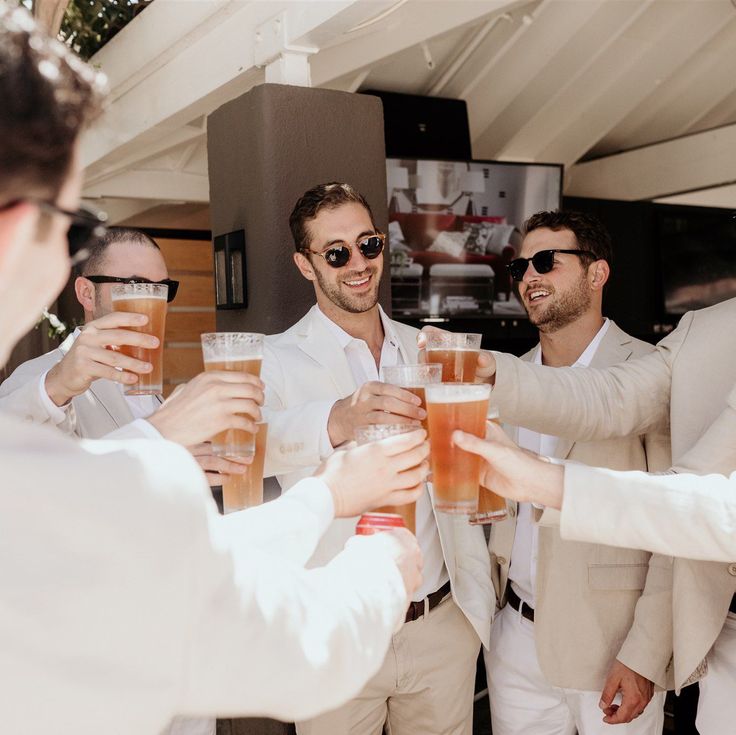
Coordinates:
[697,249]
[453,227]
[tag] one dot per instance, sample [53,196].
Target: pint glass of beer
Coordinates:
[246,490]
[372,433]
[148,299]
[456,352]
[233,351]
[491,507]
[455,473]
[413,378]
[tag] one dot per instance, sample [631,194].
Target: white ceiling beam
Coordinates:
[160,185]
[413,23]
[203,68]
[699,161]
[617,79]
[722,196]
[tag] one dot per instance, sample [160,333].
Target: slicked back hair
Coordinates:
[311,203]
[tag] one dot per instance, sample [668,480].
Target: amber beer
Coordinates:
[246,490]
[238,351]
[457,353]
[413,378]
[375,432]
[491,507]
[148,299]
[455,473]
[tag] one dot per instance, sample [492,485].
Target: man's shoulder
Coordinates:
[291,335]
[637,346]
[30,369]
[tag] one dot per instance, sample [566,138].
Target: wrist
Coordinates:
[55,389]
[335,430]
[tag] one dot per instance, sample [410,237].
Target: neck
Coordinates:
[366,325]
[563,347]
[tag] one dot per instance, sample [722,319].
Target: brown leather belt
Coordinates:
[417,609]
[513,599]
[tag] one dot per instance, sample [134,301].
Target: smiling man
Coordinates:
[577,619]
[322,378]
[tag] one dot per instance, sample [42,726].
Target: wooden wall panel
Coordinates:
[186,326]
[186,255]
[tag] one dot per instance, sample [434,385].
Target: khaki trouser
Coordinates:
[424,687]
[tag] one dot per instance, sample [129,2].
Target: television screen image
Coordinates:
[698,257]
[453,228]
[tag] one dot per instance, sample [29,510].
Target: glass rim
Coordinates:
[453,340]
[433,372]
[151,290]
[216,336]
[389,429]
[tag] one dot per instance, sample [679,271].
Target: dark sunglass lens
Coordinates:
[173,286]
[371,247]
[517,268]
[338,257]
[543,261]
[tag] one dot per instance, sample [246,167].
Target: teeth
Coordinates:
[357,283]
[537,295]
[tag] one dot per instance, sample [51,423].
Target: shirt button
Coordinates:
[501,560]
[732,570]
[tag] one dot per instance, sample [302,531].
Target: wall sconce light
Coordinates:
[231,285]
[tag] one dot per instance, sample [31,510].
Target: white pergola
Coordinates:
[636,97]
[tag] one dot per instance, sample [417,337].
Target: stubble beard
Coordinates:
[568,307]
[346,302]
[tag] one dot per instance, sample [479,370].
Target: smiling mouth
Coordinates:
[357,283]
[536,295]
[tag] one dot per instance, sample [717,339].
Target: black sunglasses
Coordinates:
[173,285]
[543,261]
[85,227]
[339,256]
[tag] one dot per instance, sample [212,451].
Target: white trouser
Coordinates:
[717,703]
[190,726]
[523,702]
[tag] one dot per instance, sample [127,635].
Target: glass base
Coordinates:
[460,508]
[149,390]
[481,519]
[234,452]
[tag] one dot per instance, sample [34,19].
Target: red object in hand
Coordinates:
[371,523]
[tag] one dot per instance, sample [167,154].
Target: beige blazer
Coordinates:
[597,603]
[97,412]
[306,371]
[686,381]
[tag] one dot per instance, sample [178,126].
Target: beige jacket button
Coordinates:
[502,561]
[732,570]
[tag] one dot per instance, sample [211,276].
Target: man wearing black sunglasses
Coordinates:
[547,650]
[323,381]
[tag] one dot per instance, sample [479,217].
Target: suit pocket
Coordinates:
[617,576]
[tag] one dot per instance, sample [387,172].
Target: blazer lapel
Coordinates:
[111,399]
[316,341]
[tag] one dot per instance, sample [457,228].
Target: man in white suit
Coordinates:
[581,622]
[78,387]
[322,378]
[686,381]
[128,598]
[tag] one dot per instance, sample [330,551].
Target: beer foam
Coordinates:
[457,392]
[232,358]
[136,296]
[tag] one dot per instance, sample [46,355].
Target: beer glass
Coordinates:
[413,378]
[233,351]
[491,507]
[455,473]
[456,352]
[372,433]
[246,490]
[148,299]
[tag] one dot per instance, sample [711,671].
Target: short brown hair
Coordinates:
[98,248]
[589,231]
[323,196]
[47,96]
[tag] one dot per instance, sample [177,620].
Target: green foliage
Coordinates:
[89,24]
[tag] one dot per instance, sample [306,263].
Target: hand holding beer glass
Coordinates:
[455,472]
[456,352]
[233,351]
[246,490]
[414,378]
[148,299]
[491,507]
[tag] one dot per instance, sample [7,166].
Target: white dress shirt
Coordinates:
[523,569]
[363,368]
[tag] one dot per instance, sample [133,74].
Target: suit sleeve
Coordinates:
[592,404]
[295,434]
[273,639]
[690,516]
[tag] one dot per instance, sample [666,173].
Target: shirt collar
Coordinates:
[588,353]
[344,339]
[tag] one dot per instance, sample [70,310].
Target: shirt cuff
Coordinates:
[314,493]
[147,429]
[56,413]
[325,445]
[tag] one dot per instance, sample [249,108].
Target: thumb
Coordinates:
[474,444]
[609,692]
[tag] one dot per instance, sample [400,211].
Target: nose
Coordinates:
[358,261]
[530,274]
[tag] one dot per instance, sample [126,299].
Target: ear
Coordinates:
[304,266]
[85,293]
[17,229]
[599,273]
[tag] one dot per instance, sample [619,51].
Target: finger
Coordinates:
[609,692]
[409,459]
[394,391]
[213,463]
[111,373]
[393,445]
[626,712]
[405,496]
[382,417]
[488,450]
[422,336]
[414,476]
[495,433]
[243,423]
[231,376]
[397,406]
[118,337]
[213,479]
[203,448]
[94,356]
[116,320]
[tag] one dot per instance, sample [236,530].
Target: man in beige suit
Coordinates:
[687,381]
[322,378]
[78,387]
[579,619]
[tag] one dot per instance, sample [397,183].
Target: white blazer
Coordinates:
[306,371]
[127,599]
